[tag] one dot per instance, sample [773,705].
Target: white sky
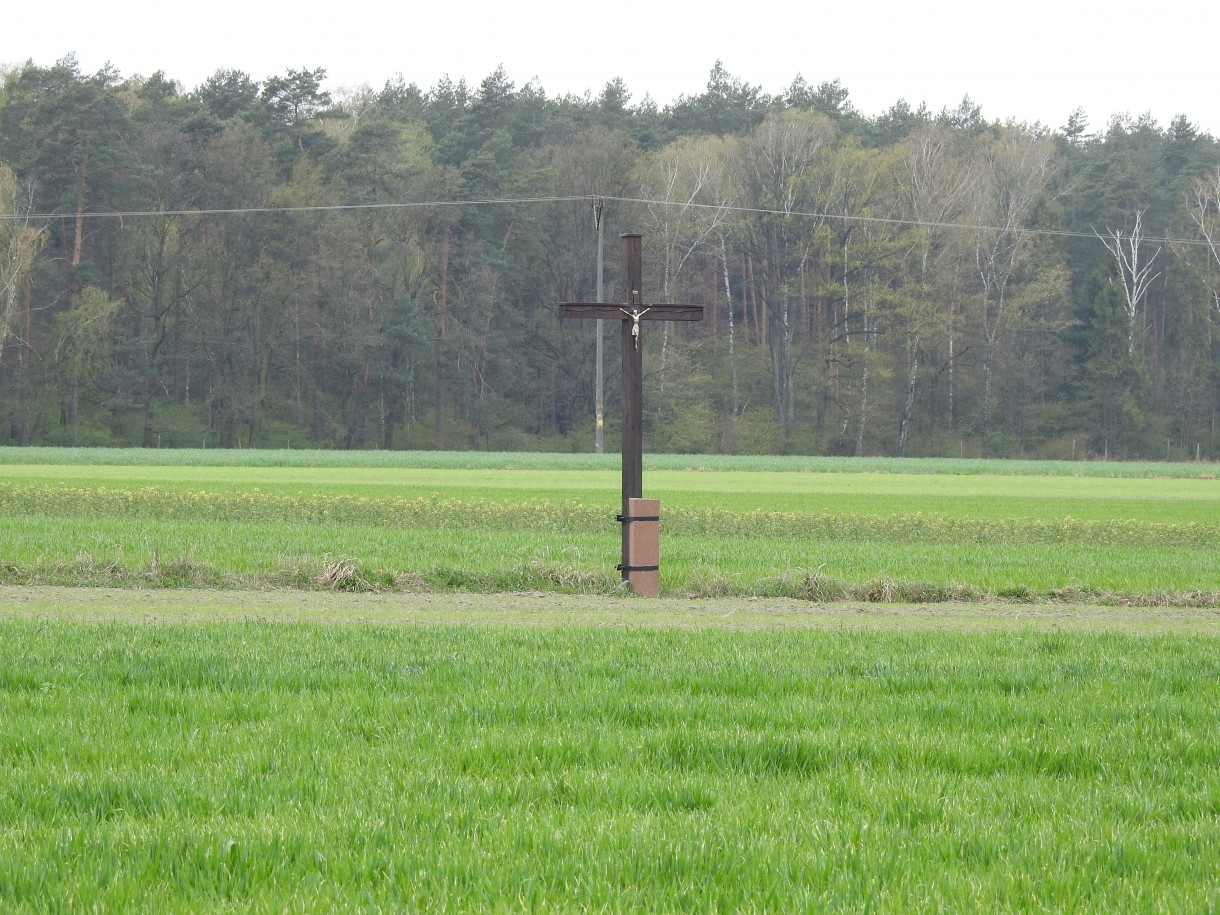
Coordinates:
[1031,61]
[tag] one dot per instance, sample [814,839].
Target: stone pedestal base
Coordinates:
[642,546]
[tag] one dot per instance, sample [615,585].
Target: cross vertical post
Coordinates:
[633,380]
[599,204]
[639,525]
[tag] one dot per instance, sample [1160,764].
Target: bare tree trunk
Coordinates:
[951,417]
[317,393]
[904,426]
[988,375]
[74,402]
[754,310]
[78,237]
[728,299]
[862,418]
[442,315]
[25,365]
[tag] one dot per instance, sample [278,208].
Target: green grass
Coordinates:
[282,767]
[534,758]
[481,460]
[925,536]
[1175,500]
[216,554]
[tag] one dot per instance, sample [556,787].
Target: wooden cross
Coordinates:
[630,318]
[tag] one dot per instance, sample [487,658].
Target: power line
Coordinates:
[584,198]
[310,208]
[886,220]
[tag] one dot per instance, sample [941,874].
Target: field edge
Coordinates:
[550,609]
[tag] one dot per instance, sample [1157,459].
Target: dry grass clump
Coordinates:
[343,575]
[565,573]
[709,583]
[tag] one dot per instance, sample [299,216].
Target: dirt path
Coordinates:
[547,609]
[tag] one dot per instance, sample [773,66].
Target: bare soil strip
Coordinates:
[549,609]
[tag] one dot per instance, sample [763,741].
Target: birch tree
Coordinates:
[1016,172]
[856,277]
[683,219]
[1203,202]
[83,347]
[773,161]
[20,241]
[937,183]
[1128,247]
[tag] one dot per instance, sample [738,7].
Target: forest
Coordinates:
[268,264]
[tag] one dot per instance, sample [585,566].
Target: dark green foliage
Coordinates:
[229,94]
[382,268]
[1113,391]
[728,106]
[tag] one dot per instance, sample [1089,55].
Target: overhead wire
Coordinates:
[913,223]
[644,201]
[302,208]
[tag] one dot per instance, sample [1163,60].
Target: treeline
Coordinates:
[260,264]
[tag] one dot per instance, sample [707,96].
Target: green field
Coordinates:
[275,766]
[492,460]
[357,715]
[820,529]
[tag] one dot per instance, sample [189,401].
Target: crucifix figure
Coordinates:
[641,577]
[635,323]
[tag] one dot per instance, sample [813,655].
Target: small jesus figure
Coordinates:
[635,323]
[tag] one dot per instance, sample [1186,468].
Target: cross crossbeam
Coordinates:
[617,312]
[630,317]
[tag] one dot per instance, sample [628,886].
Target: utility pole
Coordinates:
[599,204]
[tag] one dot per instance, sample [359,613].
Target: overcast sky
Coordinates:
[1031,61]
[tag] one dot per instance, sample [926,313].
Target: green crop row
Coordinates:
[198,553]
[479,460]
[573,517]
